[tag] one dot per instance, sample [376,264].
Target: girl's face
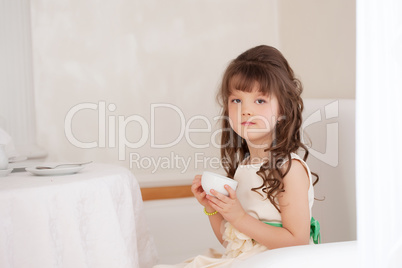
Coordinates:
[253,116]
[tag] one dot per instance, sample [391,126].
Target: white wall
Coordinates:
[132,54]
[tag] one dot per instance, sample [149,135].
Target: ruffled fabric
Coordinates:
[238,243]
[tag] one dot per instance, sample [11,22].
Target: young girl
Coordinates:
[271,208]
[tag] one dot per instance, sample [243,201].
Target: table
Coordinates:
[94,218]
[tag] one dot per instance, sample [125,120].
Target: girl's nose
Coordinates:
[245,111]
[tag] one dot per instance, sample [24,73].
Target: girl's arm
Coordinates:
[200,195]
[294,207]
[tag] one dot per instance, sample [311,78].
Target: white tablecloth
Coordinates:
[93,218]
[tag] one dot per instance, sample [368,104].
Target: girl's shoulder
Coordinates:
[299,164]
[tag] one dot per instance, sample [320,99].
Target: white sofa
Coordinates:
[328,255]
[181,229]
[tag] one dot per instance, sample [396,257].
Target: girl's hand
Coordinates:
[199,192]
[228,206]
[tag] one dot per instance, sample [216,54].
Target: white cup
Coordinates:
[210,180]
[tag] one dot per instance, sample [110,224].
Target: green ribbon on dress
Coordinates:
[314,229]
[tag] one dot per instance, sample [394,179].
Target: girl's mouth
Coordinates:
[246,123]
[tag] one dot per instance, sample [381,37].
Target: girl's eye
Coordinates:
[236,101]
[260,101]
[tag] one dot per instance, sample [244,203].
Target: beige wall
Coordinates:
[318,39]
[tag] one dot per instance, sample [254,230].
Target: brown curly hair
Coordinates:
[266,66]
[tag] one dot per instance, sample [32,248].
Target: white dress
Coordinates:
[238,246]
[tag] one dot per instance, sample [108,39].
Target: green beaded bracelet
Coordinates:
[209,214]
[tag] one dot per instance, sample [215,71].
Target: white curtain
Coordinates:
[17,105]
[379,132]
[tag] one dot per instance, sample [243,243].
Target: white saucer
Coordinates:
[5,172]
[20,166]
[55,171]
